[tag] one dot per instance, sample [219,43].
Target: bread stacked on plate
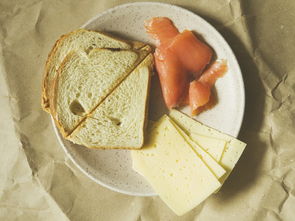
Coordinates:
[96,89]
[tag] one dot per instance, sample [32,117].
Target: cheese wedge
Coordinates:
[215,168]
[174,170]
[233,148]
[211,145]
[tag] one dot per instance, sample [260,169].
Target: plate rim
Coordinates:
[242,90]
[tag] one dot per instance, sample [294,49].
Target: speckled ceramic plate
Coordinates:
[112,168]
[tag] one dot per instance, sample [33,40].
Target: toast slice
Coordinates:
[85,80]
[119,121]
[83,40]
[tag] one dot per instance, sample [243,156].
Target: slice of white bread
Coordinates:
[85,80]
[119,121]
[83,40]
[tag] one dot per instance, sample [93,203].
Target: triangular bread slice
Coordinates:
[83,40]
[85,80]
[119,121]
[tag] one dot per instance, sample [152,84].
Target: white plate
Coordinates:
[112,168]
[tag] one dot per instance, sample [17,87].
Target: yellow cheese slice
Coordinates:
[233,148]
[170,165]
[215,168]
[213,146]
[232,153]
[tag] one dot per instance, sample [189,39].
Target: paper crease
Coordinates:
[38,183]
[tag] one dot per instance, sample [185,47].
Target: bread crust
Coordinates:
[50,87]
[147,101]
[146,48]
[54,91]
[149,65]
[45,96]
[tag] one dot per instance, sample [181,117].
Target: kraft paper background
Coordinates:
[37,180]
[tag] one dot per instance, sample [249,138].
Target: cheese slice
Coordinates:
[233,148]
[231,155]
[211,163]
[213,146]
[215,168]
[173,169]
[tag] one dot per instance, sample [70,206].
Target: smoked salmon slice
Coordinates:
[199,95]
[161,29]
[181,58]
[173,78]
[200,90]
[215,71]
[194,54]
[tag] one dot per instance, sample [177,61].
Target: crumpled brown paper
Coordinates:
[38,182]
